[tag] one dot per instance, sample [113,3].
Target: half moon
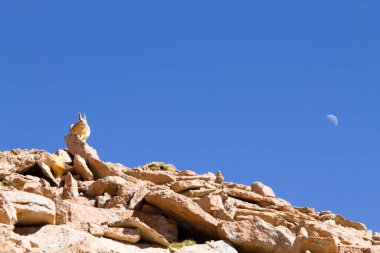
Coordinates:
[333,119]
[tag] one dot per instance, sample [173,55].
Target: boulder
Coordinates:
[30,184]
[130,235]
[255,235]
[82,169]
[65,239]
[70,189]
[213,204]
[262,189]
[31,209]
[77,146]
[147,233]
[253,197]
[163,225]
[8,214]
[209,247]
[156,177]
[47,172]
[20,161]
[180,186]
[185,211]
[110,184]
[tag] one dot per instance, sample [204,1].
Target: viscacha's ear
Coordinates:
[84,116]
[79,116]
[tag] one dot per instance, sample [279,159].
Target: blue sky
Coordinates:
[238,86]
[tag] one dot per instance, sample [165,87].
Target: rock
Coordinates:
[147,234]
[65,239]
[136,201]
[303,232]
[109,184]
[157,177]
[213,204]
[209,247]
[219,177]
[130,235]
[163,225]
[115,201]
[8,214]
[255,235]
[101,200]
[316,244]
[149,209]
[198,193]
[159,166]
[79,216]
[82,169]
[262,189]
[76,146]
[230,185]
[30,184]
[96,230]
[20,161]
[340,220]
[32,209]
[102,169]
[70,189]
[376,236]
[57,166]
[64,156]
[47,172]
[184,211]
[256,198]
[187,173]
[180,186]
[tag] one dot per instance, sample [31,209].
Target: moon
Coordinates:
[333,119]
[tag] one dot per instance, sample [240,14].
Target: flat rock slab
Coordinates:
[32,209]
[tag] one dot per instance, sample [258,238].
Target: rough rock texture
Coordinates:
[72,201]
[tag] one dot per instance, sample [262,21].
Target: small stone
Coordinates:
[262,189]
[70,189]
[82,169]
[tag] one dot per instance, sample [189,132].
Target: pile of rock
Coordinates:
[72,201]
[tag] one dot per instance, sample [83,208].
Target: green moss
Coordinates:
[184,243]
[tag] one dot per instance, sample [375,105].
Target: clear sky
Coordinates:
[238,86]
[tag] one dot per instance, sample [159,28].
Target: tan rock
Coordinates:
[79,216]
[219,177]
[76,146]
[57,166]
[340,220]
[147,233]
[316,244]
[64,156]
[47,172]
[149,209]
[198,193]
[262,189]
[70,189]
[115,201]
[32,209]
[102,169]
[184,211]
[376,236]
[136,201]
[109,184]
[8,214]
[255,236]
[66,239]
[180,186]
[101,200]
[30,184]
[256,198]
[236,186]
[82,169]
[130,235]
[186,173]
[163,225]
[303,232]
[96,230]
[157,177]
[209,247]
[213,204]
[20,161]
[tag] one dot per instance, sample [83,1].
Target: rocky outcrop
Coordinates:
[72,201]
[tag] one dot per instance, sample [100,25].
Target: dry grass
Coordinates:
[184,243]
